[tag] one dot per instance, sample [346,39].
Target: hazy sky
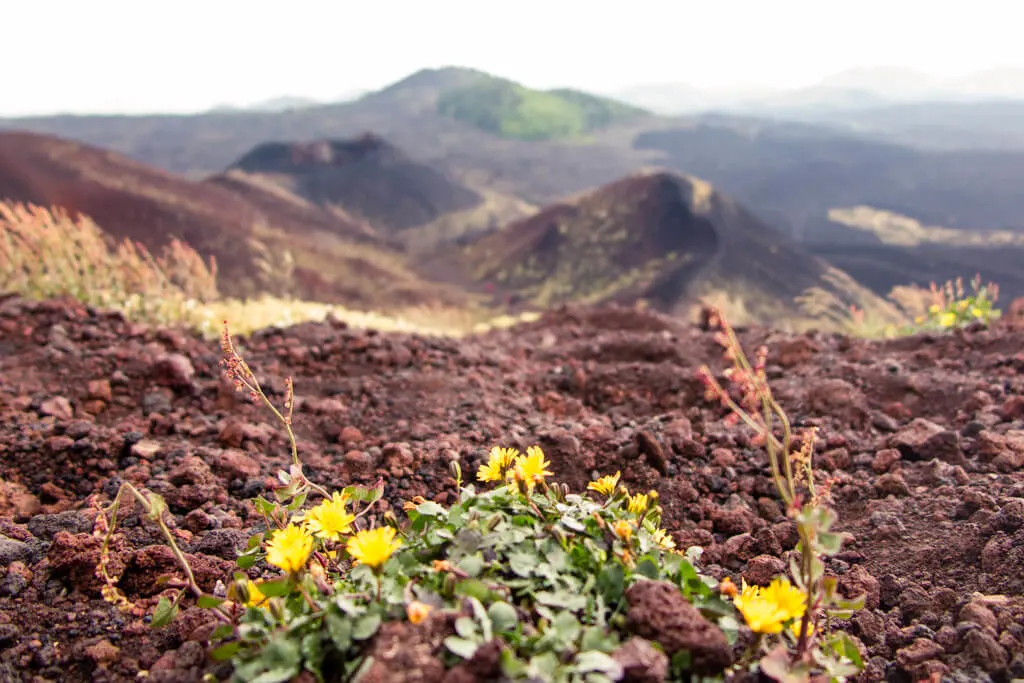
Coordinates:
[188,55]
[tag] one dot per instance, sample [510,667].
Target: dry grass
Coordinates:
[47,253]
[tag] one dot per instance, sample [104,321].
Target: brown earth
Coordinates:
[924,438]
[336,259]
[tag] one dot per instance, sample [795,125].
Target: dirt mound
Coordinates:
[366,176]
[656,236]
[335,257]
[924,438]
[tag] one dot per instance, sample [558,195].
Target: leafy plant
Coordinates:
[791,619]
[952,307]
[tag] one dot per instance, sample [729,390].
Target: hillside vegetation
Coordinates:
[505,108]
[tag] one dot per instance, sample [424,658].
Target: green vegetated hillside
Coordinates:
[503,107]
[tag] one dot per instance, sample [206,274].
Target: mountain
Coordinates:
[655,236]
[335,260]
[507,109]
[795,174]
[366,177]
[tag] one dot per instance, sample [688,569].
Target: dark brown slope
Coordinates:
[656,236]
[365,176]
[336,260]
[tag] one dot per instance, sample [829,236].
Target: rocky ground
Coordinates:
[924,437]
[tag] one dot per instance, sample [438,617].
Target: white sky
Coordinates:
[187,55]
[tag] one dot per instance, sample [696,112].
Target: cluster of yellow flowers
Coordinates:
[507,464]
[637,504]
[768,609]
[289,548]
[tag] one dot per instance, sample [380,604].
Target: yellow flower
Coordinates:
[794,629]
[330,520]
[417,611]
[623,530]
[498,463]
[727,587]
[788,597]
[289,548]
[977,312]
[638,503]
[606,484]
[663,540]
[373,547]
[531,468]
[947,319]
[766,610]
[934,308]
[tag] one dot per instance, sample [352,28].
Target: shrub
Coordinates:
[45,253]
[951,307]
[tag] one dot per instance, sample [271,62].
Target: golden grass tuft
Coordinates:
[47,253]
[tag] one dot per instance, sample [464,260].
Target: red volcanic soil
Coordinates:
[923,436]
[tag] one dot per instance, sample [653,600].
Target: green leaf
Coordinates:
[340,630]
[264,506]
[460,647]
[208,601]
[163,614]
[522,564]
[276,589]
[430,509]
[503,616]
[842,646]
[473,588]
[466,627]
[281,660]
[611,582]
[593,660]
[572,524]
[246,561]
[472,564]
[649,568]
[365,626]
[562,599]
[221,632]
[226,651]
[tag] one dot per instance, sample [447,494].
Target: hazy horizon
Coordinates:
[122,56]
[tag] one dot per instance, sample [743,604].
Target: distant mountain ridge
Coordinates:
[366,176]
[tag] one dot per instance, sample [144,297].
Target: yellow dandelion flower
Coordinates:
[947,319]
[790,599]
[934,308]
[330,520]
[289,548]
[638,503]
[606,484]
[373,547]
[623,530]
[766,609]
[417,611]
[664,541]
[531,468]
[794,629]
[498,464]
